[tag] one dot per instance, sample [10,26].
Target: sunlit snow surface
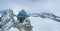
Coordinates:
[42,24]
[13,29]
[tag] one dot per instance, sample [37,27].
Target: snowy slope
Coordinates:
[42,24]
